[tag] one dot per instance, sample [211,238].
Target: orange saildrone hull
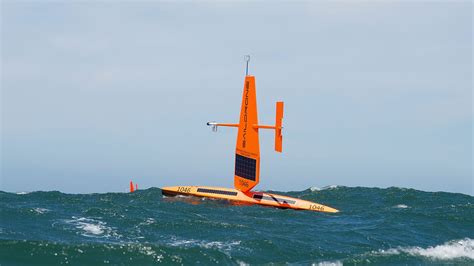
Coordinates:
[250,197]
[247,160]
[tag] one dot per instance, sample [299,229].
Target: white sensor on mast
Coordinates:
[247,59]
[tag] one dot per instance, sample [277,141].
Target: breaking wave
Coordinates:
[454,249]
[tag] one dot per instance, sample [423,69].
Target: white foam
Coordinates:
[148,251]
[182,196]
[401,206]
[93,227]
[328,263]
[455,249]
[313,189]
[222,246]
[183,243]
[144,249]
[330,187]
[392,251]
[150,221]
[241,263]
[40,210]
[22,193]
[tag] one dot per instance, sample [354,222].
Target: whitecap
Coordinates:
[330,187]
[185,243]
[148,221]
[92,227]
[241,263]
[95,229]
[401,206]
[451,250]
[22,193]
[313,189]
[455,249]
[222,246]
[40,210]
[328,263]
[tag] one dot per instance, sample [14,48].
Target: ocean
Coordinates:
[376,226]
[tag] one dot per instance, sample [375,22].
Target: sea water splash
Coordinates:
[463,248]
[375,226]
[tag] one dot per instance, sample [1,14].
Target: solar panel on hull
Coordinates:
[216,191]
[245,167]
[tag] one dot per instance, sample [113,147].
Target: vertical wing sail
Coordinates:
[247,152]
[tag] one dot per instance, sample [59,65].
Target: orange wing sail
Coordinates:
[247,151]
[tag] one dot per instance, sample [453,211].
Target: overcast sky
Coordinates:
[376,94]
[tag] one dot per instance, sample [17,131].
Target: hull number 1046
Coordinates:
[316,207]
[184,189]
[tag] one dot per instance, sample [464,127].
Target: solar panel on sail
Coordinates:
[245,167]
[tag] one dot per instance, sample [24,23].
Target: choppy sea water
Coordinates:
[375,226]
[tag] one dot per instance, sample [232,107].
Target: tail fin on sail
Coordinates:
[247,151]
[278,127]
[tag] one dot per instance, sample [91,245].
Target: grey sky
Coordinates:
[376,94]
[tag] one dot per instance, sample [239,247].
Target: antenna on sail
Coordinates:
[247,59]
